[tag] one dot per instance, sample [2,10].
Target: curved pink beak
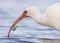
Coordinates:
[16,21]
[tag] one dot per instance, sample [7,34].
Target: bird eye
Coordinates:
[25,11]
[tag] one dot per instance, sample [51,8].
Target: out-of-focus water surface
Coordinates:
[27,31]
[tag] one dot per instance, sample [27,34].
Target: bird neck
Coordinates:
[40,19]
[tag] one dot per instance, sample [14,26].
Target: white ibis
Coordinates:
[51,17]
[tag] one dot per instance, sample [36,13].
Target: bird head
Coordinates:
[28,12]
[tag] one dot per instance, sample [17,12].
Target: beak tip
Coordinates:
[8,36]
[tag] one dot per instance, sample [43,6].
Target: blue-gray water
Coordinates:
[27,31]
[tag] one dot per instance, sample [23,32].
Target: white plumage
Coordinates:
[51,17]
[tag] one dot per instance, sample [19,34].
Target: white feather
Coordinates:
[51,17]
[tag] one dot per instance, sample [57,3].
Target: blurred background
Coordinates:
[27,29]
